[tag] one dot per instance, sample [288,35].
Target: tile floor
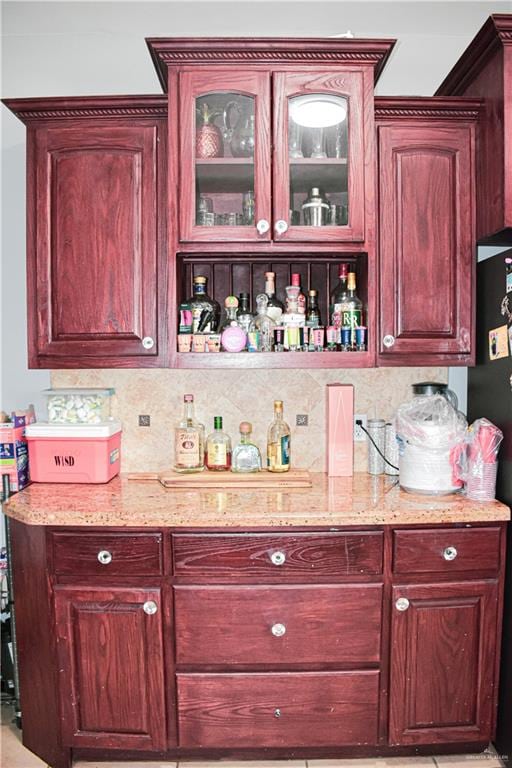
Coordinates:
[14,755]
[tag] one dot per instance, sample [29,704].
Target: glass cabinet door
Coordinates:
[319,156]
[225,155]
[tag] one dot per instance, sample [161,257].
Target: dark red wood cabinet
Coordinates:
[198,658]
[426,232]
[96,253]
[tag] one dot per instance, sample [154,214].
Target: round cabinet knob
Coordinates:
[150,607]
[277,712]
[388,340]
[402,604]
[148,342]
[278,630]
[105,557]
[281,226]
[450,553]
[278,558]
[262,226]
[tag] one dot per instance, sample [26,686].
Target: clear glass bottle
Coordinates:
[230,313]
[351,309]
[301,299]
[264,324]
[313,312]
[246,455]
[188,440]
[278,441]
[244,314]
[205,310]
[218,448]
[339,296]
[275,307]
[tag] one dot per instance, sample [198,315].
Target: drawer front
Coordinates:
[274,710]
[278,625]
[113,554]
[315,554]
[447,550]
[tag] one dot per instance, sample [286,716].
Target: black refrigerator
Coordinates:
[490,395]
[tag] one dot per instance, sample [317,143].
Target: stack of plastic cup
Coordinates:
[482,463]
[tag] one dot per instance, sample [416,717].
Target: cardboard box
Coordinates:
[340,430]
[14,456]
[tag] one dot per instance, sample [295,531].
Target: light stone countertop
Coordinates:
[330,502]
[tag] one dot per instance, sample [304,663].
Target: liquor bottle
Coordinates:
[275,307]
[264,324]
[233,338]
[339,296]
[188,440]
[278,441]
[218,448]
[246,455]
[230,313]
[205,311]
[301,299]
[351,310]
[244,314]
[313,312]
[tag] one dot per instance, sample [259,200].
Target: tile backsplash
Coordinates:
[242,395]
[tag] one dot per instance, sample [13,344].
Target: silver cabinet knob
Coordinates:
[281,226]
[278,558]
[150,607]
[402,604]
[263,226]
[388,340]
[104,556]
[450,553]
[277,712]
[148,342]
[278,630]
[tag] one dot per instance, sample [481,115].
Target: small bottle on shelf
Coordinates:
[205,311]
[278,441]
[351,309]
[188,440]
[233,337]
[264,324]
[301,299]
[313,312]
[244,314]
[275,307]
[246,455]
[339,296]
[218,448]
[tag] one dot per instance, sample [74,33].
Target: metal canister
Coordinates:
[377,431]
[316,209]
[391,450]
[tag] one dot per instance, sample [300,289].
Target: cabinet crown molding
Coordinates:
[397,107]
[496,32]
[167,52]
[57,108]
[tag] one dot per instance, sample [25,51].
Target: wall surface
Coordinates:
[78,48]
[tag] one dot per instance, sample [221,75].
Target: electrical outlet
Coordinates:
[359,435]
[144,420]
[301,420]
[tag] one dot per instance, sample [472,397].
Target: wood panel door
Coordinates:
[426,209]
[443,663]
[319,142]
[111,664]
[95,244]
[225,148]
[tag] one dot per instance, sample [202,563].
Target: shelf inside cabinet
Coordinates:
[329,174]
[225,174]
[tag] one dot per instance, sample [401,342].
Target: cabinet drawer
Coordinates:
[447,550]
[113,554]
[278,625]
[275,710]
[318,554]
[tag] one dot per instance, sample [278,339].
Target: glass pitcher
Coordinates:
[239,131]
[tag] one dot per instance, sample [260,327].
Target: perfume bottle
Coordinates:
[246,455]
[188,440]
[218,448]
[278,441]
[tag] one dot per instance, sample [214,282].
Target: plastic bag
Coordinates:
[430,433]
[478,463]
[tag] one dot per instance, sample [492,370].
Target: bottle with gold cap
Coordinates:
[278,441]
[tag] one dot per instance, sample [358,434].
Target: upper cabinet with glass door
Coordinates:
[319,193]
[225,155]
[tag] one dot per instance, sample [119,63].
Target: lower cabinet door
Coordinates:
[443,662]
[307,709]
[111,667]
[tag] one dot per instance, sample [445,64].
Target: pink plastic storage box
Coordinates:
[74,453]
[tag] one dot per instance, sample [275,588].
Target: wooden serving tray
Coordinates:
[294,478]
